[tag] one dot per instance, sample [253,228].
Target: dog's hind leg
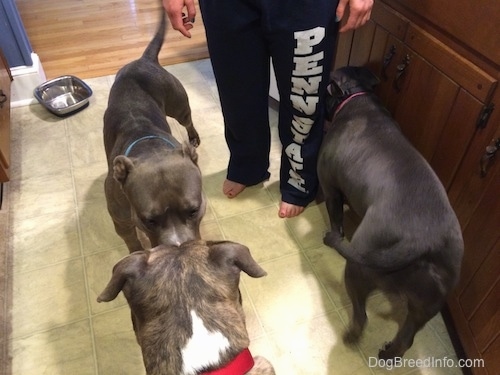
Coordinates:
[182,113]
[358,289]
[187,122]
[334,202]
[423,305]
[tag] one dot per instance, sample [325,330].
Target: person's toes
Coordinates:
[288,210]
[231,189]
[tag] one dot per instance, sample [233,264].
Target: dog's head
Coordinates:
[185,303]
[348,81]
[165,194]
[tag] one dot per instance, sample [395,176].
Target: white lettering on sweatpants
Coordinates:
[306,78]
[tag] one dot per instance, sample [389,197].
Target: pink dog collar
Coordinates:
[240,365]
[346,101]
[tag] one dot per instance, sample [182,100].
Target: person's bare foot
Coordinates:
[288,210]
[231,189]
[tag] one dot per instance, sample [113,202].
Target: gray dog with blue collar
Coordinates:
[153,182]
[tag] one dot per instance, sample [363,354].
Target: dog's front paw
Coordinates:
[328,239]
[333,237]
[195,141]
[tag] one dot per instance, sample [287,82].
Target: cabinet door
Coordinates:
[474,305]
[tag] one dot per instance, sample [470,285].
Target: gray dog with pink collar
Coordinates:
[409,239]
[153,182]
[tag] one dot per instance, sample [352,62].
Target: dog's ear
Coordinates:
[121,168]
[235,256]
[366,77]
[190,151]
[126,268]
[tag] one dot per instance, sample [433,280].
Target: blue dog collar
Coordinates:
[129,148]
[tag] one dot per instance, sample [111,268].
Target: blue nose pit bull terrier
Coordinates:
[153,182]
[409,240]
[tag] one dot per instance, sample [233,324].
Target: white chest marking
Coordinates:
[203,348]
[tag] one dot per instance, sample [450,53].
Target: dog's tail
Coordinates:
[153,48]
[388,258]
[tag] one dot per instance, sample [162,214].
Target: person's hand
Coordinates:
[359,13]
[180,21]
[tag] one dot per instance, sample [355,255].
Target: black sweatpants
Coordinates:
[300,37]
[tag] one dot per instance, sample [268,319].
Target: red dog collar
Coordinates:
[240,365]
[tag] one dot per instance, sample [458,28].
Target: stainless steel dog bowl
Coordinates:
[63,95]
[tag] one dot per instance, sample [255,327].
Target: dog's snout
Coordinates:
[177,236]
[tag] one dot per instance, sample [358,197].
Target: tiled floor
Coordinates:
[64,248]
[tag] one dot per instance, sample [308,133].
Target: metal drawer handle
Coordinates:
[401,70]
[489,156]
[387,60]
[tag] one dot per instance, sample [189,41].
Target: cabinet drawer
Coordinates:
[393,22]
[477,82]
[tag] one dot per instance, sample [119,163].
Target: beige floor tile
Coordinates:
[190,73]
[200,96]
[48,297]
[261,346]
[89,182]
[97,229]
[443,366]
[99,269]
[209,123]
[385,313]
[39,155]
[213,156]
[273,184]
[288,295]
[41,195]
[309,227]
[60,351]
[438,325]
[31,125]
[267,236]
[32,114]
[253,323]
[329,268]
[116,347]
[315,347]
[210,230]
[87,149]
[250,199]
[44,240]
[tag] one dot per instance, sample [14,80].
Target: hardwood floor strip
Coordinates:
[92,38]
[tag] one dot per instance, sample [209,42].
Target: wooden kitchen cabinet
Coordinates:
[441,87]
[475,196]
[436,95]
[5,80]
